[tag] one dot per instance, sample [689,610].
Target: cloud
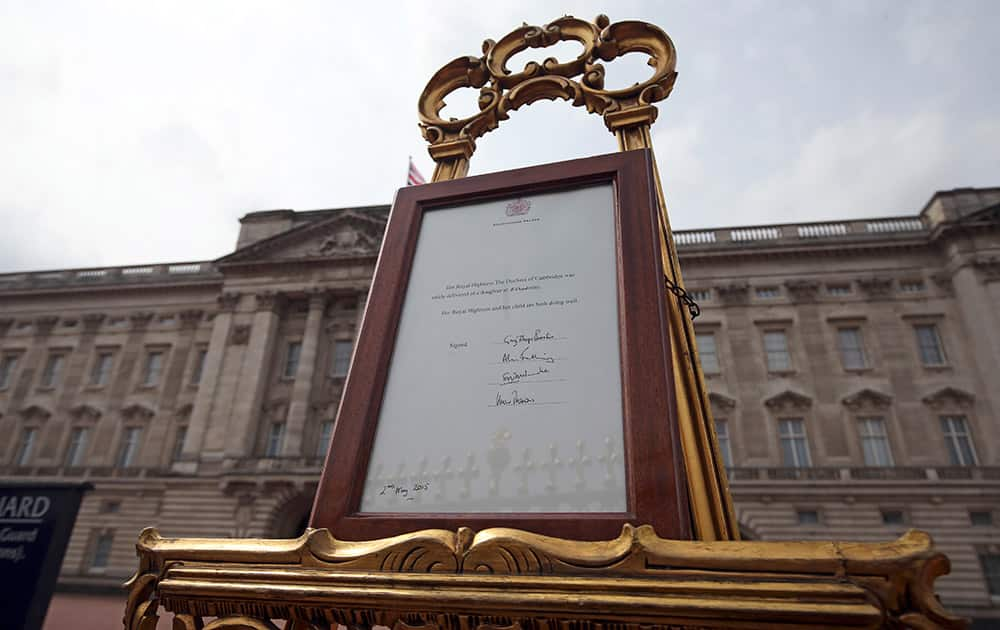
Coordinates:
[866,166]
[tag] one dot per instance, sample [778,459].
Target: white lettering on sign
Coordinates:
[26,507]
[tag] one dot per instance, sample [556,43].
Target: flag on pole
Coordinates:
[413,177]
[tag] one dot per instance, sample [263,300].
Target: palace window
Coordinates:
[292,359]
[175,452]
[794,445]
[154,365]
[961,451]
[76,450]
[26,446]
[341,357]
[981,518]
[776,350]
[991,571]
[700,295]
[911,286]
[852,351]
[129,446]
[707,352]
[199,366]
[325,433]
[275,436]
[807,517]
[838,289]
[874,442]
[100,371]
[929,344]
[102,550]
[768,293]
[7,366]
[725,446]
[53,370]
[893,517]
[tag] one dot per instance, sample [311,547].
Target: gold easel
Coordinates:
[505,579]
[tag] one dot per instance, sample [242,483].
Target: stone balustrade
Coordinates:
[795,232]
[866,473]
[163,273]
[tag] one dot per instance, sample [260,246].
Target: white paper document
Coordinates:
[504,389]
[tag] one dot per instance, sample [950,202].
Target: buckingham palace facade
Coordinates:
[853,369]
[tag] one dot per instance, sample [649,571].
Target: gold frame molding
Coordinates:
[507,579]
[628,113]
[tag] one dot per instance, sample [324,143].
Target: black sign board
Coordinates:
[35,524]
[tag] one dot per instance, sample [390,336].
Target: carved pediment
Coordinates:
[85,412]
[35,412]
[867,398]
[721,401]
[949,396]
[788,400]
[138,411]
[275,410]
[347,234]
[184,411]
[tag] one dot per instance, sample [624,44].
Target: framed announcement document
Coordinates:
[513,366]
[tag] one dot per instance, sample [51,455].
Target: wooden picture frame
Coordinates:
[653,464]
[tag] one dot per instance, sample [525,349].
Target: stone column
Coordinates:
[241,429]
[298,409]
[201,414]
[982,326]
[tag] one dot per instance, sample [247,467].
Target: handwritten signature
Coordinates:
[403,491]
[513,400]
[526,354]
[509,378]
[538,335]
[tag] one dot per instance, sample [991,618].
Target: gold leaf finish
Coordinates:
[628,113]
[504,578]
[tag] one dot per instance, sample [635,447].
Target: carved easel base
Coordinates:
[506,578]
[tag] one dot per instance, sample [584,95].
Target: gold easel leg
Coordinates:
[712,511]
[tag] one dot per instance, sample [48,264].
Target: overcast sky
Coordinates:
[140,132]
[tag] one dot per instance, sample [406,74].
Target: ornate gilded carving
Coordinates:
[502,578]
[580,81]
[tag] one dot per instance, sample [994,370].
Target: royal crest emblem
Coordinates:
[518,207]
